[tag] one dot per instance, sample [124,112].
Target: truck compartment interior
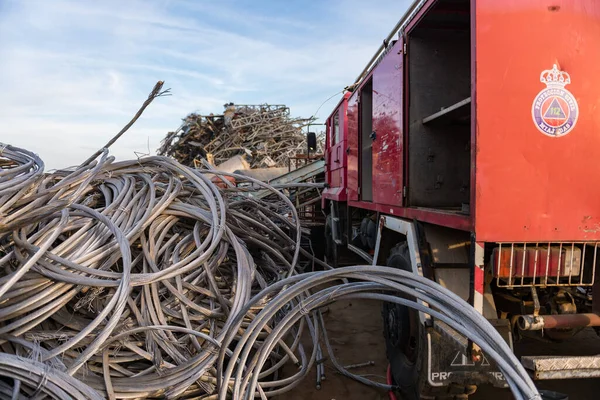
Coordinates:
[439,132]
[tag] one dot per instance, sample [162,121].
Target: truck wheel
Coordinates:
[405,343]
[330,245]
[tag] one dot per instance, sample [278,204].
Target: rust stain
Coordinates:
[591,229]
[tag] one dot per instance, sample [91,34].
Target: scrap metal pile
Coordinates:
[128,275]
[146,279]
[266,134]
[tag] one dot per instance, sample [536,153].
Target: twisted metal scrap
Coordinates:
[142,279]
[32,379]
[265,133]
[129,273]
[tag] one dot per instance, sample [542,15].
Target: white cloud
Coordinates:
[74,72]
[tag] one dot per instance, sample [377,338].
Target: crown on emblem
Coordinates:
[555,77]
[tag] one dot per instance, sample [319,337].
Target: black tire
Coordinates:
[405,343]
[331,252]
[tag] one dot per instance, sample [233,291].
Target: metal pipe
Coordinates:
[537,323]
[360,365]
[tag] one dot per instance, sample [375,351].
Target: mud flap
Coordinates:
[448,363]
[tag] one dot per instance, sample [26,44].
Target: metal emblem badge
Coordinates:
[555,110]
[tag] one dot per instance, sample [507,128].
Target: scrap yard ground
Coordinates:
[355,331]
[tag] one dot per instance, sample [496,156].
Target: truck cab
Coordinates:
[336,155]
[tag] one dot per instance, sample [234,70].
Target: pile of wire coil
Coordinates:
[145,279]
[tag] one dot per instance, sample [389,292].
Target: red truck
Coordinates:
[468,152]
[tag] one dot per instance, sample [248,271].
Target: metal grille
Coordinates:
[545,264]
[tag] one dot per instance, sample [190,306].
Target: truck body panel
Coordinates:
[387,126]
[532,186]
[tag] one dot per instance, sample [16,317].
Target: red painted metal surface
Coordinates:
[479,279]
[388,162]
[327,152]
[387,123]
[529,186]
[335,154]
[437,217]
[352,149]
[526,185]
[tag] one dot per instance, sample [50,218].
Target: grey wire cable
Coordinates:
[148,247]
[144,278]
[51,382]
[452,310]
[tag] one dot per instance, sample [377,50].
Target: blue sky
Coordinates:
[72,73]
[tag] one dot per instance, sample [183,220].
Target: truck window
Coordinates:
[335,137]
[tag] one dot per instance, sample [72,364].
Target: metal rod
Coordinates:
[360,365]
[536,323]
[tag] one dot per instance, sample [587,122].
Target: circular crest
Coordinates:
[555,109]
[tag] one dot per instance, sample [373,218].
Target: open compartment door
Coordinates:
[352,149]
[387,128]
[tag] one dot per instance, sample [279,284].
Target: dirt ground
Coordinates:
[355,330]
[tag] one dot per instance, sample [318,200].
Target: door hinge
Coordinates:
[404,190]
[359,190]
[404,48]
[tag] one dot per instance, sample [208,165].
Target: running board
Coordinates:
[559,367]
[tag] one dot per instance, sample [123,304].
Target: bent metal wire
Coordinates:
[144,279]
[147,251]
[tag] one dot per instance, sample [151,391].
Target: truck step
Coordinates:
[560,367]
